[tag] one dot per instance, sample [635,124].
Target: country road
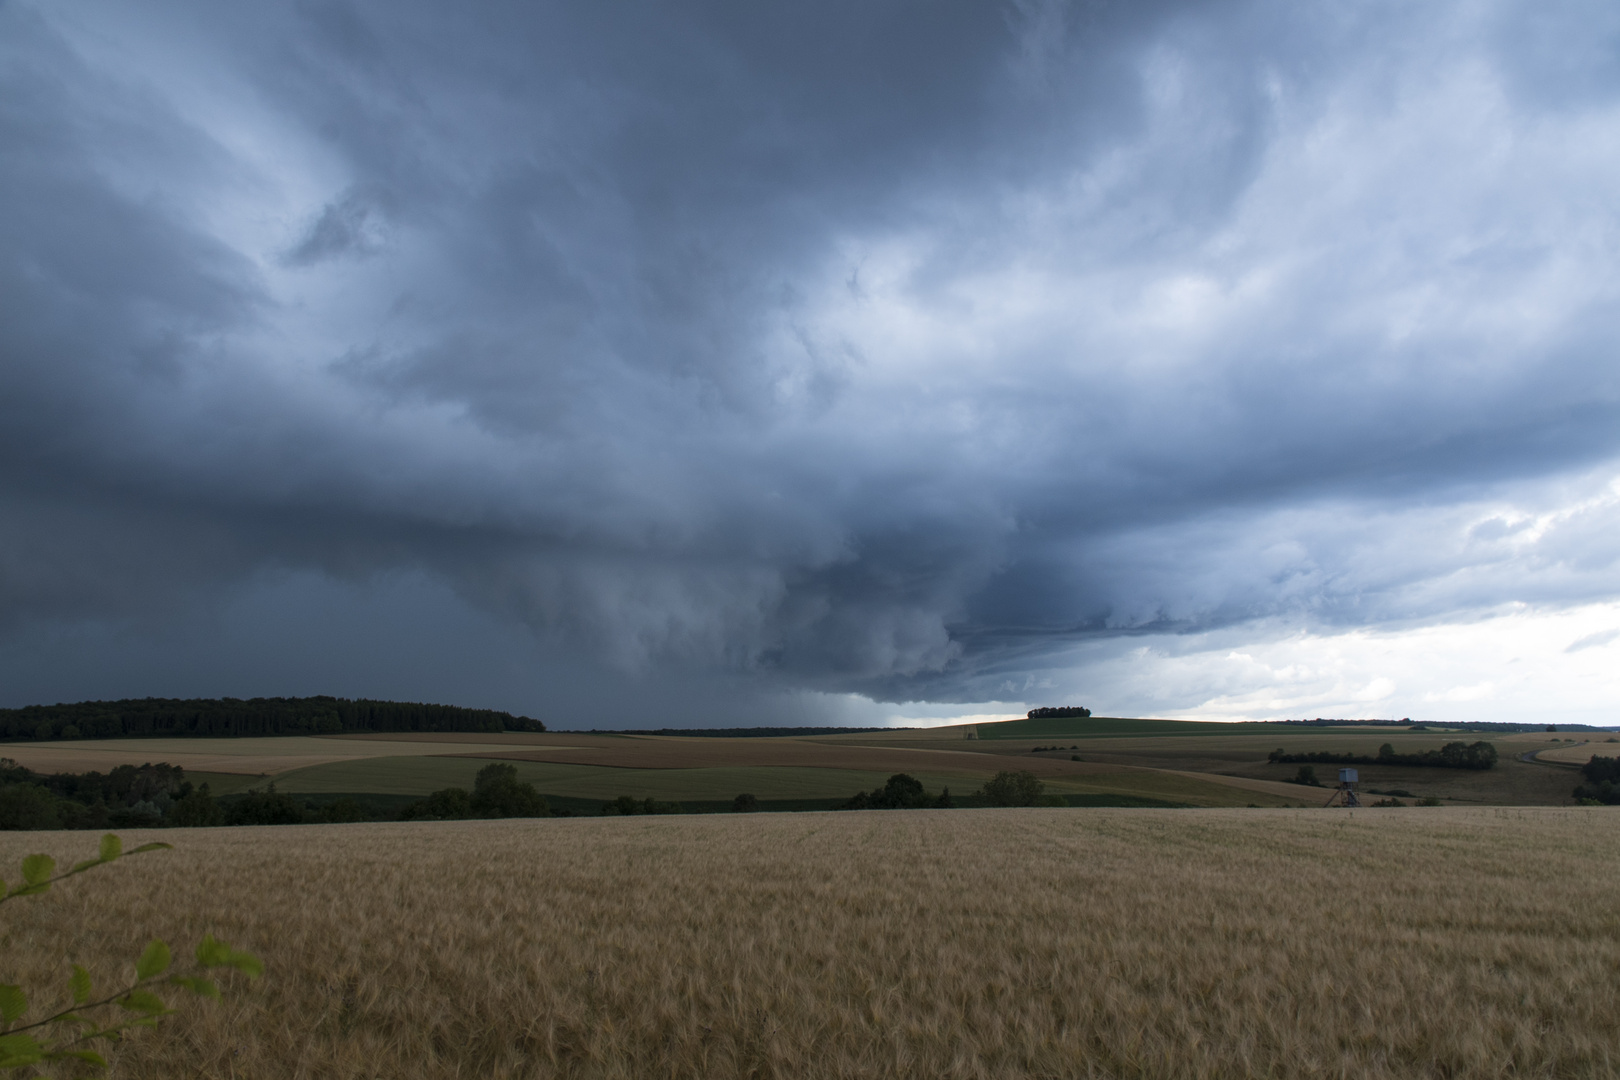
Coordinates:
[1534,759]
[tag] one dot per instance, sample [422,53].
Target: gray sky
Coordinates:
[628,364]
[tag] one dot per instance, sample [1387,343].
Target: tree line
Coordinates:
[1059,711]
[1453,755]
[157,796]
[253,717]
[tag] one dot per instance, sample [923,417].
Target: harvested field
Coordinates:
[1574,753]
[1013,943]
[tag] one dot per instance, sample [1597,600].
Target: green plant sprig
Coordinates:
[21,1049]
[36,869]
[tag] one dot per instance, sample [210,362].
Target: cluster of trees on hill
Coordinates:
[900,792]
[1453,755]
[1602,781]
[255,716]
[496,793]
[1058,711]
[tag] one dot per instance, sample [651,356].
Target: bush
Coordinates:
[627,806]
[497,793]
[1014,787]
[29,806]
[900,792]
[198,809]
[1603,776]
[265,808]
[448,804]
[1307,776]
[744,804]
[344,811]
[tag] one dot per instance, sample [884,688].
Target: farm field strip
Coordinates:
[972,943]
[249,756]
[667,753]
[422,775]
[1569,754]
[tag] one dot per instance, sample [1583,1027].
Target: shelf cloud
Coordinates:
[612,363]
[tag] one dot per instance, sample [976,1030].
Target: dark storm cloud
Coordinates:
[876,347]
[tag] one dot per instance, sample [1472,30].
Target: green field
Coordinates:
[422,775]
[1093,727]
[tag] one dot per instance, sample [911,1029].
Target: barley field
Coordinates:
[972,943]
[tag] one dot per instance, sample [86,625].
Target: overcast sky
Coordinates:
[626,364]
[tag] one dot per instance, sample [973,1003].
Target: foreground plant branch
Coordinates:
[21,1047]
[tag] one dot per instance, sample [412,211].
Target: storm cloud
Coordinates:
[726,359]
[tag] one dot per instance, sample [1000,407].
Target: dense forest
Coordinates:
[1453,755]
[255,716]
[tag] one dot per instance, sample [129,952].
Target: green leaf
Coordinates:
[37,869]
[143,1001]
[82,1055]
[111,847]
[211,952]
[19,1050]
[13,1002]
[154,961]
[200,987]
[247,963]
[156,845]
[80,985]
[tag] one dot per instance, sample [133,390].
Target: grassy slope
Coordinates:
[1150,944]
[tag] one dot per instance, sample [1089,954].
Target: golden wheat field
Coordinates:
[969,943]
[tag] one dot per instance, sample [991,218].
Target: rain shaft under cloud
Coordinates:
[584,358]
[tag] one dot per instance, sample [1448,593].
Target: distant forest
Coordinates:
[255,716]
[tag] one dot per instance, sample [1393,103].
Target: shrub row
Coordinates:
[1453,755]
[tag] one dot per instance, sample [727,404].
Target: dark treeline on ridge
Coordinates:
[255,716]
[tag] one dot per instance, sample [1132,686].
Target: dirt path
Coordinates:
[1534,756]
